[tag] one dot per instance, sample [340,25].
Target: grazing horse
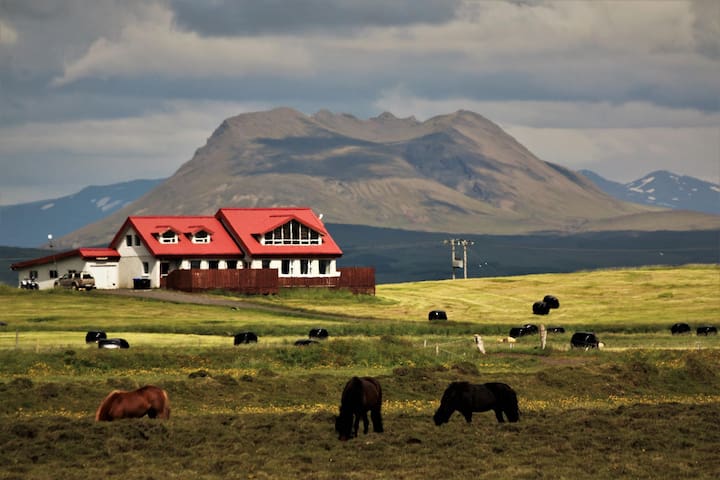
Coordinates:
[467,398]
[148,400]
[359,396]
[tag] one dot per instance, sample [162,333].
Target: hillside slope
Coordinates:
[451,173]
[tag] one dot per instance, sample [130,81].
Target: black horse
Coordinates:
[359,396]
[467,398]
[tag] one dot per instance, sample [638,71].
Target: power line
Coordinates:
[457,262]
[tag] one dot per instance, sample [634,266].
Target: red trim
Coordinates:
[84,253]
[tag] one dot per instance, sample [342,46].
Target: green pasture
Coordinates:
[645,406]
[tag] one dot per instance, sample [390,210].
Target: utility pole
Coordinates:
[456,262]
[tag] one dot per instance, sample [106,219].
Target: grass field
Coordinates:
[646,406]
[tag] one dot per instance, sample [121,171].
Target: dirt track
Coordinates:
[176,296]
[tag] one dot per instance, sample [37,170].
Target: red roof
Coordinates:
[248,225]
[84,253]
[149,229]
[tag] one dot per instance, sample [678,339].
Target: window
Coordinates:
[231,264]
[285,267]
[169,237]
[304,267]
[164,269]
[214,264]
[33,274]
[128,240]
[201,237]
[292,233]
[137,240]
[146,268]
[195,264]
[53,274]
[323,266]
[266,263]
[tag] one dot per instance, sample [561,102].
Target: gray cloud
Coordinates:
[251,17]
[103,72]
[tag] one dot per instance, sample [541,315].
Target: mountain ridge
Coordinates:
[456,172]
[664,189]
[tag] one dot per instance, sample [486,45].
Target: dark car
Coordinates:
[585,340]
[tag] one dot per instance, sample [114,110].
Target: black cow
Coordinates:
[531,329]
[305,342]
[552,301]
[707,330]
[319,333]
[113,343]
[540,308]
[245,337]
[555,330]
[437,315]
[94,336]
[584,340]
[679,328]
[517,332]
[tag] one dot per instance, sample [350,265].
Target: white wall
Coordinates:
[131,262]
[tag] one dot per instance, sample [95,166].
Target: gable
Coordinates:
[184,236]
[276,232]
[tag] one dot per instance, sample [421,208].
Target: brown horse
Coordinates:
[148,400]
[359,396]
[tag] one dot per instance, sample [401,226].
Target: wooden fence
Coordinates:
[359,280]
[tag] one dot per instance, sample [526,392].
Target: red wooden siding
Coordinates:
[359,280]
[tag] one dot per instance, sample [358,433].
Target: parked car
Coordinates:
[76,281]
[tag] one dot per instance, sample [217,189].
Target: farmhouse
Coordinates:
[255,250]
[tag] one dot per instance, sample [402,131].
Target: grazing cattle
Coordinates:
[551,301]
[359,396]
[437,315]
[555,330]
[92,336]
[527,329]
[148,400]
[532,329]
[707,330]
[584,340]
[305,342]
[467,398]
[319,333]
[113,343]
[540,308]
[245,337]
[679,328]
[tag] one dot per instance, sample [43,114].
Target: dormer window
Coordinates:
[201,237]
[168,237]
[292,233]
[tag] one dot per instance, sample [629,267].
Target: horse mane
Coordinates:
[105,405]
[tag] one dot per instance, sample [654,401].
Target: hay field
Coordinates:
[644,407]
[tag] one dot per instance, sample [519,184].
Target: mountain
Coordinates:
[393,252]
[663,189]
[61,216]
[452,173]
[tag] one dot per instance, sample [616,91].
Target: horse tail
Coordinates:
[165,413]
[103,411]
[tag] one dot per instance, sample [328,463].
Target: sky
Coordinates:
[96,92]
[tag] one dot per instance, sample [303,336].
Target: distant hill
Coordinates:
[663,189]
[394,252]
[61,216]
[452,173]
